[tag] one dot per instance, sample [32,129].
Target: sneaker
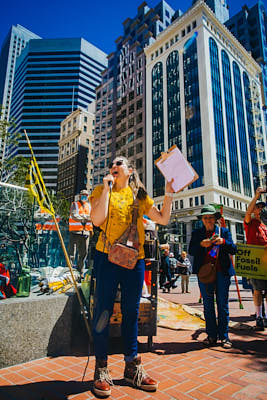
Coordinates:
[259,324]
[135,374]
[102,379]
[209,341]
[226,344]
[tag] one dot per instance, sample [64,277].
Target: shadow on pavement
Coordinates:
[53,390]
[176,347]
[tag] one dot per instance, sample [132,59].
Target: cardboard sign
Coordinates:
[251,261]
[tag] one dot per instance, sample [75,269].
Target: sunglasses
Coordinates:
[117,163]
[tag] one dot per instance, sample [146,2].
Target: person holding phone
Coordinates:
[112,204]
[213,244]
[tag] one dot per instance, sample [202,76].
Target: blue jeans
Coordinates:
[216,330]
[108,277]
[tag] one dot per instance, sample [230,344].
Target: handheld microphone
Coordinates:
[110,184]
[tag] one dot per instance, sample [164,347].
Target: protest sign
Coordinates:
[251,261]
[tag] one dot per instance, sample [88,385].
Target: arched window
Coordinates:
[157,127]
[217,113]
[192,110]
[230,121]
[241,129]
[173,96]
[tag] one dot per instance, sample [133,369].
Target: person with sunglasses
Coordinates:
[112,204]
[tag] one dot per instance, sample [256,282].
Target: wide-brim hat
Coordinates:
[260,203]
[84,191]
[209,210]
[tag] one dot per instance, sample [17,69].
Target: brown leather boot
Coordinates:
[102,379]
[135,374]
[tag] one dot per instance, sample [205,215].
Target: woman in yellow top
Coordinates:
[112,212]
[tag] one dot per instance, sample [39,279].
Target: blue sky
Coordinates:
[100,22]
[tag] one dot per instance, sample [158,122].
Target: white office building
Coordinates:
[203,93]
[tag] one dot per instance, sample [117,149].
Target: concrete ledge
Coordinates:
[37,326]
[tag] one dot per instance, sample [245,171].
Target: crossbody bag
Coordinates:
[207,272]
[124,251]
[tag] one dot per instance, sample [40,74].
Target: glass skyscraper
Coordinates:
[249,26]
[12,47]
[200,90]
[53,77]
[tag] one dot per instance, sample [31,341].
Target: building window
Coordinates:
[230,121]
[192,104]
[157,127]
[191,202]
[218,116]
[139,163]
[173,102]
[139,104]
[241,129]
[85,128]
[196,201]
[139,132]
[130,137]
[181,204]
[251,129]
[130,151]
[139,147]
[239,232]
[139,118]
[85,119]
[202,200]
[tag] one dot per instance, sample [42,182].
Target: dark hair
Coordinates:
[135,183]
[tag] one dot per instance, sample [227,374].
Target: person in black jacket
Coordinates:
[207,244]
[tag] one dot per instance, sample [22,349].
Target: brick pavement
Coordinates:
[184,368]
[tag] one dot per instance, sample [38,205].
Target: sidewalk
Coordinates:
[184,368]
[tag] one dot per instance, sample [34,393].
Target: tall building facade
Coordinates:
[250,27]
[12,47]
[219,7]
[120,102]
[204,95]
[53,77]
[76,152]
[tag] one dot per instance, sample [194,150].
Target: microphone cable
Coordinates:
[110,190]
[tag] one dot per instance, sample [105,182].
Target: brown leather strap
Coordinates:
[131,233]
